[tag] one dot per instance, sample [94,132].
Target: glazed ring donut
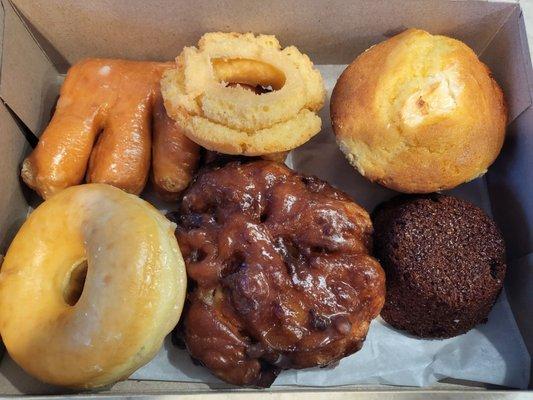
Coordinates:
[229,119]
[80,331]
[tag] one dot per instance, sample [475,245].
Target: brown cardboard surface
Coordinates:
[17,381]
[509,64]
[509,179]
[510,185]
[27,77]
[331,32]
[14,207]
[511,195]
[2,14]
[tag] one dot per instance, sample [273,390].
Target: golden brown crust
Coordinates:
[277,157]
[175,156]
[102,100]
[201,95]
[102,128]
[419,113]
[131,296]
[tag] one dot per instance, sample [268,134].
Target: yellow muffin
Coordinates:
[419,113]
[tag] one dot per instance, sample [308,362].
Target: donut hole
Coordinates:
[253,75]
[75,283]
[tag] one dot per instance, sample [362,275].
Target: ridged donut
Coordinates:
[130,300]
[204,93]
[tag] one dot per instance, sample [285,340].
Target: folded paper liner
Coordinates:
[492,353]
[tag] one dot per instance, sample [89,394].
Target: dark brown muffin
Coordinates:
[444,261]
[279,270]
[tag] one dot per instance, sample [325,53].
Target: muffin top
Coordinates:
[419,113]
[440,247]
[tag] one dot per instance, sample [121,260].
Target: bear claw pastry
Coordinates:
[101,132]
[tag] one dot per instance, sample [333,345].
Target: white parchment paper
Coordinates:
[491,353]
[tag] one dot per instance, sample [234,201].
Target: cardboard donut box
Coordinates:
[40,40]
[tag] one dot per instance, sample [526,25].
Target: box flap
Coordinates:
[14,206]
[507,179]
[2,17]
[27,76]
[79,29]
[507,55]
[73,26]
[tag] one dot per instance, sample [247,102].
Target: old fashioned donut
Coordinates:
[90,286]
[281,272]
[101,132]
[419,113]
[200,95]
